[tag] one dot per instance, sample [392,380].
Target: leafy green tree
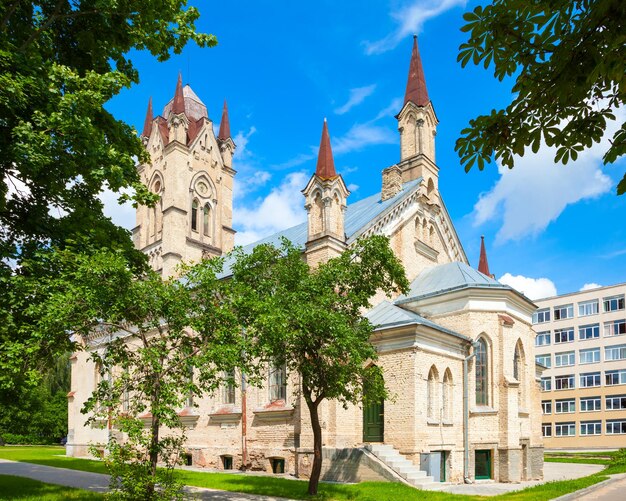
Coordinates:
[161,342]
[60,62]
[311,320]
[567,58]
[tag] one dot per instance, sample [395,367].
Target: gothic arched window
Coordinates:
[206,220]
[447,395]
[516,362]
[482,373]
[194,215]
[431,394]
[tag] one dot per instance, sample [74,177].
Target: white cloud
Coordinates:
[590,286]
[121,214]
[533,288]
[362,135]
[410,18]
[357,96]
[392,109]
[536,191]
[282,208]
[352,187]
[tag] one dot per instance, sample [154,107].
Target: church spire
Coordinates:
[416,84]
[178,106]
[483,265]
[325,164]
[147,124]
[224,132]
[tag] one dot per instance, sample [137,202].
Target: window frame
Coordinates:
[540,339]
[569,404]
[567,308]
[614,328]
[583,331]
[611,407]
[546,407]
[540,317]
[481,373]
[612,422]
[277,383]
[597,377]
[621,377]
[618,300]
[544,380]
[544,427]
[568,356]
[583,304]
[597,428]
[621,350]
[571,426]
[570,378]
[558,333]
[585,401]
[541,358]
[594,351]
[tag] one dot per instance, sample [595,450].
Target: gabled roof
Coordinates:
[357,218]
[448,277]
[386,315]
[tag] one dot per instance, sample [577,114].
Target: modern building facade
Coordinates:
[581,339]
[457,332]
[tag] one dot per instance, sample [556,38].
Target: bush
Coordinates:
[619,458]
[17,439]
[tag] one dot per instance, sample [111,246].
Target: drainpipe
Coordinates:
[466,360]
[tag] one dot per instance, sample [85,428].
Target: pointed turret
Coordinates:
[416,84]
[147,124]
[178,106]
[483,265]
[224,132]
[325,163]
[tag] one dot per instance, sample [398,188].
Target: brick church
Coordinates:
[457,351]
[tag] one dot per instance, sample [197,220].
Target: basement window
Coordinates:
[278,465]
[187,459]
[227,462]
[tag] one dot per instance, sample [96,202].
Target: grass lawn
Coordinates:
[297,489]
[26,489]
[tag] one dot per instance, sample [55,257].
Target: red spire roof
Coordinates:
[416,84]
[224,124]
[147,124]
[178,106]
[483,265]
[325,164]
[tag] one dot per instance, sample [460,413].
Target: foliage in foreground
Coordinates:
[25,489]
[567,58]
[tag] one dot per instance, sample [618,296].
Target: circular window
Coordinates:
[202,187]
[157,186]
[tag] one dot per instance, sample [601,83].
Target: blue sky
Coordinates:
[284,66]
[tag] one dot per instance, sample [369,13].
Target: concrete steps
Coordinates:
[402,466]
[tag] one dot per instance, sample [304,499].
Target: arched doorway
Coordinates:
[373,416]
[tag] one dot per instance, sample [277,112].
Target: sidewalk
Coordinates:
[98,482]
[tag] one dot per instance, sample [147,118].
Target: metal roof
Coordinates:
[447,278]
[194,107]
[357,218]
[386,315]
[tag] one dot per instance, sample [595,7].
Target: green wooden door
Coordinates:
[482,465]
[373,421]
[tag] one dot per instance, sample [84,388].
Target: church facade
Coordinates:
[456,352]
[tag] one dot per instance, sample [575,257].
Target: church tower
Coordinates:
[325,202]
[417,123]
[191,170]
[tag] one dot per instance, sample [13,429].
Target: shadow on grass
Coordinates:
[25,489]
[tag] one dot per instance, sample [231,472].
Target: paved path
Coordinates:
[551,472]
[99,482]
[610,490]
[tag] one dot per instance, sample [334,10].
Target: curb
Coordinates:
[577,494]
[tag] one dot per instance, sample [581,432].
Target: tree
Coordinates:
[311,320]
[568,61]
[60,62]
[162,342]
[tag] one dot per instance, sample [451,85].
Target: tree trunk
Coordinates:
[154,446]
[316,470]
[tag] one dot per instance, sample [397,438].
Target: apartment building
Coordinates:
[581,340]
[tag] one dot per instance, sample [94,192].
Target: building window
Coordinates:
[482,374]
[565,429]
[516,363]
[589,332]
[563,312]
[194,215]
[546,429]
[591,427]
[206,220]
[613,303]
[228,387]
[616,402]
[566,406]
[431,394]
[545,360]
[564,382]
[612,378]
[615,328]
[615,352]
[616,426]
[564,359]
[590,356]
[589,379]
[278,383]
[447,396]
[541,316]
[590,404]
[542,339]
[586,308]
[227,462]
[546,406]
[564,335]
[278,465]
[546,384]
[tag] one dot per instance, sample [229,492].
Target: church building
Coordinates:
[457,351]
